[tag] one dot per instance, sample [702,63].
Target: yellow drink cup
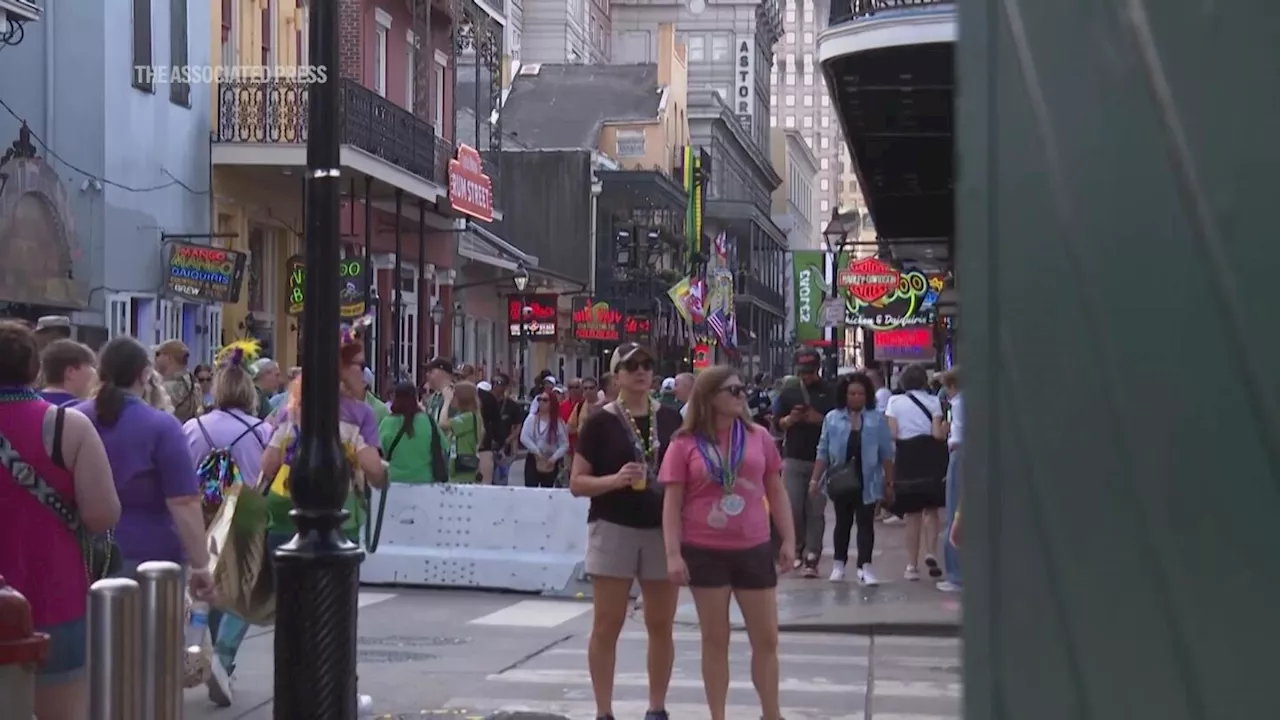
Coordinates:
[642,483]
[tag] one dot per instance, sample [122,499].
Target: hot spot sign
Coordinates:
[539,316]
[470,190]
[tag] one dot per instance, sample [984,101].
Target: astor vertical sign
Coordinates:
[470,190]
[744,91]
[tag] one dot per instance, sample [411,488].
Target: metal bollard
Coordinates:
[115,648]
[163,620]
[22,650]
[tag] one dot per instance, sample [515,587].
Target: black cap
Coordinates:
[808,360]
[441,363]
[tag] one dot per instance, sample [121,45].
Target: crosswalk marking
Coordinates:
[847,641]
[373,598]
[822,677]
[586,710]
[785,659]
[534,613]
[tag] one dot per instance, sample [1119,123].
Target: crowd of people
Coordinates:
[712,481]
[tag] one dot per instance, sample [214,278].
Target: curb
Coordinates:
[890,629]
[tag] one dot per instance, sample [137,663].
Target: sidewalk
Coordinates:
[895,607]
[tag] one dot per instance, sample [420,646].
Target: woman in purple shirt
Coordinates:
[160,497]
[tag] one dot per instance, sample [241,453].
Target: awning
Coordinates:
[479,244]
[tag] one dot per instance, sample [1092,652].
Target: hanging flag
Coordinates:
[718,323]
[721,245]
[731,334]
[687,296]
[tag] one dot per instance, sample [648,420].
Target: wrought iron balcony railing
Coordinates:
[276,112]
[749,285]
[843,11]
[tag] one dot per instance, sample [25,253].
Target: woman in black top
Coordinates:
[619,451]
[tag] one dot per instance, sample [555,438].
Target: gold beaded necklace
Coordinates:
[646,452]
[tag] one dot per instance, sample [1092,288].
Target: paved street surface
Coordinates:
[461,654]
[896,606]
[469,654]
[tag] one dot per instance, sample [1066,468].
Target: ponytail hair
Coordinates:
[121,364]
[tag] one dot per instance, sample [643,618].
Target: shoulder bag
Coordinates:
[373,530]
[468,463]
[933,460]
[101,556]
[845,479]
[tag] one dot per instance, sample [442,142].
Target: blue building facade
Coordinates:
[114,160]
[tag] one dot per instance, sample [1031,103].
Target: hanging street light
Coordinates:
[834,235]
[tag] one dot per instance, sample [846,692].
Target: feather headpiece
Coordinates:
[354,332]
[240,353]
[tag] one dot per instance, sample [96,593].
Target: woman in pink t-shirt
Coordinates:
[718,472]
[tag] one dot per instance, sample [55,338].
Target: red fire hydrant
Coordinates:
[22,651]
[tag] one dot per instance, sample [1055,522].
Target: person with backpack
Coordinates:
[226,445]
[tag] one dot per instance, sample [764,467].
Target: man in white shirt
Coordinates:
[683,390]
[882,393]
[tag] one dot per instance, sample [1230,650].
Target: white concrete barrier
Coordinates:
[479,536]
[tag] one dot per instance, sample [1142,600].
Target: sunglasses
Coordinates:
[634,365]
[588,387]
[204,379]
[734,390]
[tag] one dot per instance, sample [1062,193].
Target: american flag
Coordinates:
[719,323]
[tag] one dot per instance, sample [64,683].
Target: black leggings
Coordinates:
[535,479]
[851,511]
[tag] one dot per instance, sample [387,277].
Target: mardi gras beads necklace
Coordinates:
[18,394]
[646,450]
[725,474]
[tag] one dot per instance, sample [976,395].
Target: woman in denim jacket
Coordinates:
[872,453]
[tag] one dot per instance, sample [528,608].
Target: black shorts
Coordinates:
[746,569]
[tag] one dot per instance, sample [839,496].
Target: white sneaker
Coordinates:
[893,520]
[798,562]
[219,685]
[866,577]
[364,704]
[837,571]
[911,573]
[947,586]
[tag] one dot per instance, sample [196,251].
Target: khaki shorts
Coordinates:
[618,551]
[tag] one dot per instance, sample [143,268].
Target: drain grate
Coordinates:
[413,641]
[392,657]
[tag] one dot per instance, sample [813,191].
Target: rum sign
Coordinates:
[470,190]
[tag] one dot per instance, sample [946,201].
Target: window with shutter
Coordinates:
[179,87]
[268,33]
[141,70]
[229,10]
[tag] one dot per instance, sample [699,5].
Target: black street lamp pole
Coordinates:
[317,571]
[522,282]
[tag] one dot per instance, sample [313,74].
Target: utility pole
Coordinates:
[317,572]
